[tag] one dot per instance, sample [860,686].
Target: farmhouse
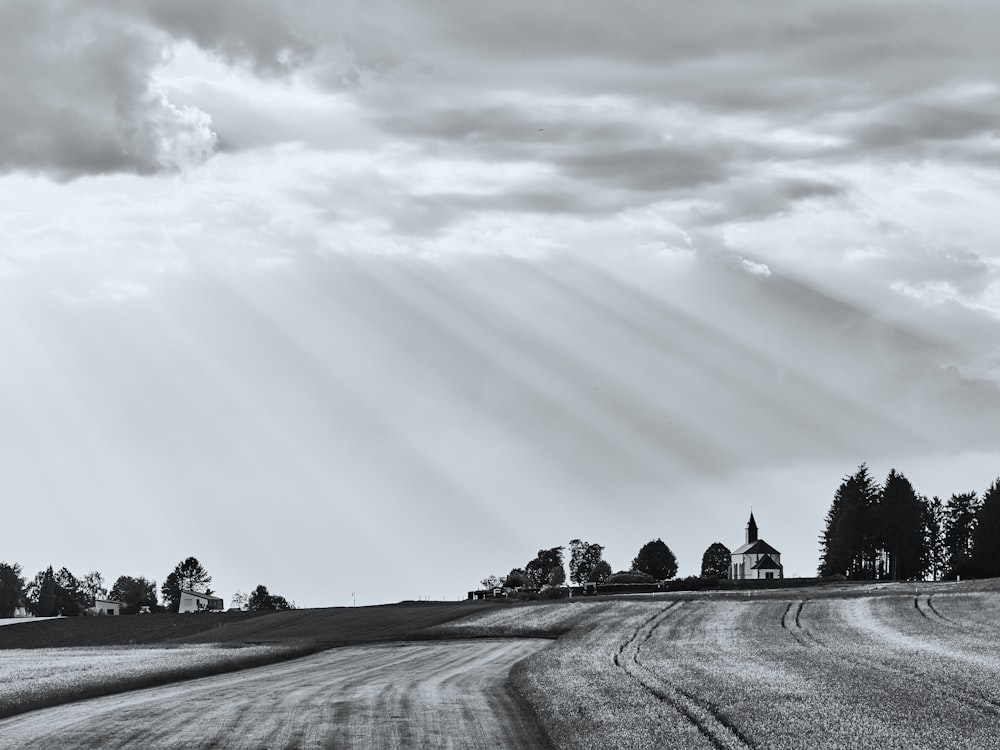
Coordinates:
[106,607]
[756,558]
[195,601]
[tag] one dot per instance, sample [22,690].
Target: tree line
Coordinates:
[60,593]
[654,562]
[889,531]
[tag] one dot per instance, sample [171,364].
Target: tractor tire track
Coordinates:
[720,732]
[951,690]
[792,623]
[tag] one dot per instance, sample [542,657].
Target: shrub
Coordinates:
[631,577]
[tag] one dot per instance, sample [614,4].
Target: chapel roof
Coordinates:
[766,563]
[757,547]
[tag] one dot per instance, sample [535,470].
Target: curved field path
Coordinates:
[404,695]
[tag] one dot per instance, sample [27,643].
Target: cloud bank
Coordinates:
[362,269]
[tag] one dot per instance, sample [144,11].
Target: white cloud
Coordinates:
[757,269]
[516,263]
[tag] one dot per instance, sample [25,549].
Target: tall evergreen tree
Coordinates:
[848,540]
[960,523]
[935,555]
[985,555]
[47,594]
[71,599]
[11,589]
[900,529]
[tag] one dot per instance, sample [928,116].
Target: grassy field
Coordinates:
[326,627]
[879,665]
[55,661]
[389,696]
[892,666]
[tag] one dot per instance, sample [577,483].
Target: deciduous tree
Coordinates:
[134,594]
[188,575]
[546,569]
[93,585]
[261,599]
[716,561]
[492,582]
[601,572]
[11,588]
[584,559]
[515,579]
[656,559]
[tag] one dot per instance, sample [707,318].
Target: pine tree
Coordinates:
[960,523]
[984,560]
[848,541]
[188,575]
[47,594]
[935,555]
[900,528]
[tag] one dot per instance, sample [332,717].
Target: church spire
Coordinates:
[751,530]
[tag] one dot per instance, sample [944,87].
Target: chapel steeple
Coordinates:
[751,530]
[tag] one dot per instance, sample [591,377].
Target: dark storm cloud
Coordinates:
[939,126]
[77,94]
[727,106]
[78,88]
[263,34]
[759,198]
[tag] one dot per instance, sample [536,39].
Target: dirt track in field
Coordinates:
[407,695]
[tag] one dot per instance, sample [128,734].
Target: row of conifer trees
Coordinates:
[889,531]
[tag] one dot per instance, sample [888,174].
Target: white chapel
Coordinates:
[756,558]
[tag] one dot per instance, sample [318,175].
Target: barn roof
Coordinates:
[201,594]
[766,563]
[758,547]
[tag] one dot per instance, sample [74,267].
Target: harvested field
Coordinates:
[37,678]
[888,669]
[407,695]
[886,665]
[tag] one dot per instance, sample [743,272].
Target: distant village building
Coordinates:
[106,607]
[756,559]
[194,601]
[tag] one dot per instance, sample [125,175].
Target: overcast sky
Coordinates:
[384,297]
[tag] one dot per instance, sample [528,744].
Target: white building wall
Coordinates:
[742,567]
[190,603]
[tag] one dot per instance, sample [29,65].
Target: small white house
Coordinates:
[106,607]
[195,601]
[756,559]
